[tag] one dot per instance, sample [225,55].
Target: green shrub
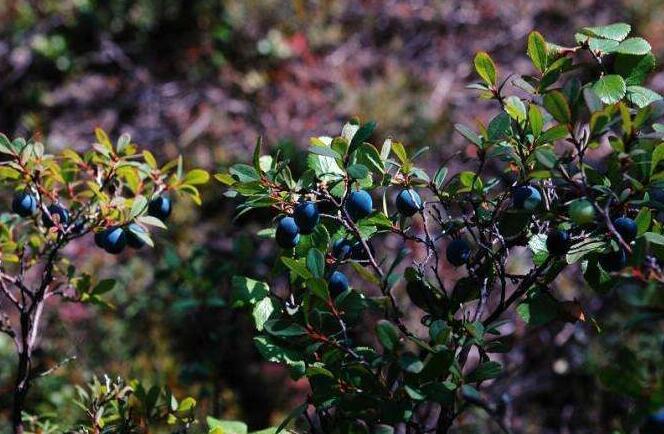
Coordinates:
[574,148]
[107,194]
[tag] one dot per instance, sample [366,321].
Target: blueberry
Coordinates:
[458,252]
[626,227]
[657,195]
[337,283]
[526,197]
[133,240]
[160,208]
[100,238]
[24,204]
[79,226]
[558,242]
[115,240]
[288,234]
[341,249]
[359,204]
[614,260]
[408,202]
[654,423]
[306,217]
[359,253]
[57,213]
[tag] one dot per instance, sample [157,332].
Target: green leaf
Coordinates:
[400,152]
[654,238]
[642,96]
[297,267]
[556,104]
[257,154]
[316,263]
[368,155]
[261,312]
[196,177]
[151,221]
[657,156]
[616,31]
[634,69]
[610,88]
[245,291]
[5,145]
[104,286]
[468,134]
[634,46]
[578,251]
[536,120]
[485,67]
[546,156]
[227,426]
[440,176]
[539,309]
[318,287]
[276,354]
[357,171]
[187,407]
[284,328]
[411,363]
[515,108]
[498,127]
[362,135]
[537,50]
[602,45]
[388,335]
[557,132]
[643,219]
[244,173]
[485,371]
[138,207]
[537,245]
[324,151]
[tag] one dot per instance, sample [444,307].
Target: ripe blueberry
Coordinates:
[614,260]
[341,249]
[458,252]
[657,195]
[408,202]
[526,197]
[133,240]
[626,227]
[115,240]
[359,204]
[288,234]
[160,207]
[337,283]
[100,238]
[306,217]
[359,253]
[58,213]
[558,242]
[654,423]
[24,204]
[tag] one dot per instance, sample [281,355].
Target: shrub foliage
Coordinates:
[569,170]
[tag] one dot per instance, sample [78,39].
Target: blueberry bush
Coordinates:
[113,195]
[567,176]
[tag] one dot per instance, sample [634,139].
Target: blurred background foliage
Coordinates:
[204,78]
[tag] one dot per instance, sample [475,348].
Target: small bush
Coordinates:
[570,169]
